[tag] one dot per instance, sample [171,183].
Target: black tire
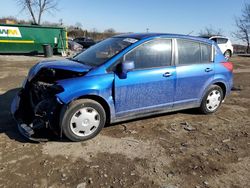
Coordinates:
[68,112]
[203,108]
[227,54]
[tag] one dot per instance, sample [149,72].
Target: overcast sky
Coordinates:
[168,16]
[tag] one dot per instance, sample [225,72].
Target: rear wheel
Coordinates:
[212,100]
[83,119]
[227,54]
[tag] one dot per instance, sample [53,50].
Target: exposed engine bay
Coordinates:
[38,107]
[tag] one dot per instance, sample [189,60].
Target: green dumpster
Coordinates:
[16,38]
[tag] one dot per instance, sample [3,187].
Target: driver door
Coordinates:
[151,85]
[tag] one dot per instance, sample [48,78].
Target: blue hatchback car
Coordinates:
[121,78]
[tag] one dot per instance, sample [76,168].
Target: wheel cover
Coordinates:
[227,54]
[213,100]
[85,121]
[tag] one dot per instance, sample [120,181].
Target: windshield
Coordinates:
[103,51]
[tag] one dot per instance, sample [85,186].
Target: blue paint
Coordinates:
[143,91]
[62,64]
[145,88]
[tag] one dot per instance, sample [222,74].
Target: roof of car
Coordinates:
[213,36]
[141,36]
[218,36]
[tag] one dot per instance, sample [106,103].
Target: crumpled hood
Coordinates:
[65,64]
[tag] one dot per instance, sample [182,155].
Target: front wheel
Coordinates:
[82,120]
[212,100]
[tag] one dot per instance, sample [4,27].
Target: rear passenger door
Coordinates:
[194,70]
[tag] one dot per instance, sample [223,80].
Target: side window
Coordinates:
[214,39]
[206,53]
[188,52]
[221,41]
[155,53]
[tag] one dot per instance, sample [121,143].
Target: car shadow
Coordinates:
[7,123]
[192,111]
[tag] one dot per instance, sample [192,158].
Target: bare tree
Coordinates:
[210,31]
[78,25]
[243,26]
[109,32]
[37,8]
[93,33]
[61,21]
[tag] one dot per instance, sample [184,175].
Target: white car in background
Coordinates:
[224,44]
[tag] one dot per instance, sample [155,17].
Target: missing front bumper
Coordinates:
[29,133]
[35,127]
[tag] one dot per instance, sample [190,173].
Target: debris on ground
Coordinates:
[237,88]
[226,140]
[224,119]
[124,127]
[81,185]
[188,127]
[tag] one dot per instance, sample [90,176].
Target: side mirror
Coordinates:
[126,67]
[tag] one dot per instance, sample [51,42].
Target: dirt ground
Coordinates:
[175,150]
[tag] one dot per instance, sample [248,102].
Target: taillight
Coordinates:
[228,65]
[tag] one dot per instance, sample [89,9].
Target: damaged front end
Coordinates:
[36,107]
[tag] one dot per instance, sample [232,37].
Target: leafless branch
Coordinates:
[243,26]
[210,31]
[37,8]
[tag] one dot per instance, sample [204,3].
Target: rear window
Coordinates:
[221,40]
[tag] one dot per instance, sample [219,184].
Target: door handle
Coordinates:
[208,70]
[167,74]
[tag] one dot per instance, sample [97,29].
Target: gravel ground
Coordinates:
[182,149]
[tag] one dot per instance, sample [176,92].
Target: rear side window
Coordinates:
[214,39]
[206,53]
[221,41]
[188,52]
[155,53]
